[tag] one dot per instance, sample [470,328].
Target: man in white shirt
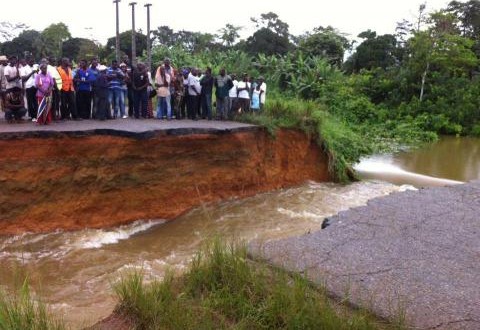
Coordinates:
[232,97]
[243,91]
[194,90]
[12,74]
[28,73]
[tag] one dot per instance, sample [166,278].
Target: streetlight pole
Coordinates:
[134,50]
[117,36]
[149,46]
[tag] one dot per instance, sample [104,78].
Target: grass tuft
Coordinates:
[224,289]
[21,311]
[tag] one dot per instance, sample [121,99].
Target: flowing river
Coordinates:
[73,272]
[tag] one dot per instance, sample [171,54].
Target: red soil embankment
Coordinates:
[97,181]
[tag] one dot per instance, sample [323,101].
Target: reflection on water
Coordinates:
[451,158]
[74,271]
[449,161]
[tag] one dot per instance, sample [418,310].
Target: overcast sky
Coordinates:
[95,19]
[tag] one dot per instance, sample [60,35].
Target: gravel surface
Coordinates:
[414,254]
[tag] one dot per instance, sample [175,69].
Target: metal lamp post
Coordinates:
[117,36]
[149,46]
[134,50]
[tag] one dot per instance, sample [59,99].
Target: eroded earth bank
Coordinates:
[70,180]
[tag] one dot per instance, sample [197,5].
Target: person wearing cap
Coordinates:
[14,104]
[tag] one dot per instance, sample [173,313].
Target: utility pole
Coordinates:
[149,46]
[117,36]
[134,50]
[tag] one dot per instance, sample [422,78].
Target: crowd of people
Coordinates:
[54,91]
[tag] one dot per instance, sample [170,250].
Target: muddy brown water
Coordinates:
[448,161]
[73,272]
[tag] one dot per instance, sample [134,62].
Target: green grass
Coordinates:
[223,289]
[343,146]
[19,311]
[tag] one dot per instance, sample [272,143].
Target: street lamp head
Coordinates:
[116,1]
[147,5]
[132,3]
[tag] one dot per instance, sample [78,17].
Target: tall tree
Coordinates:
[229,34]
[53,36]
[326,42]
[126,43]
[441,49]
[164,36]
[79,48]
[271,38]
[272,22]
[468,15]
[374,52]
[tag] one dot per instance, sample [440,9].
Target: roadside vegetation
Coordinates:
[20,311]
[223,289]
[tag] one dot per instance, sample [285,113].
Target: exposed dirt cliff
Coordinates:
[72,182]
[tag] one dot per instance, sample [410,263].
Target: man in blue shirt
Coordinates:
[84,79]
[115,78]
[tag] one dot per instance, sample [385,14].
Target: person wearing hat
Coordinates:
[14,105]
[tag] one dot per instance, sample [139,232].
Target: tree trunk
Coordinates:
[424,76]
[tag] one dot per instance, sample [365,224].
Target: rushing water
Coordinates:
[74,271]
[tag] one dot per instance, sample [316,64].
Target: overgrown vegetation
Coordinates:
[20,311]
[224,289]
